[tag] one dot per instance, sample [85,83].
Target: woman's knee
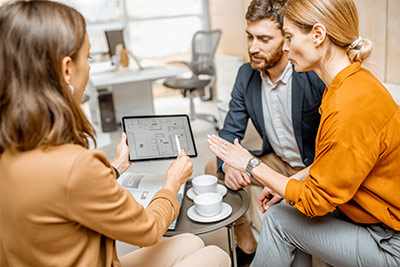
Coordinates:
[220,255]
[207,256]
[189,241]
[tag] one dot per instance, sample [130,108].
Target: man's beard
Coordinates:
[269,62]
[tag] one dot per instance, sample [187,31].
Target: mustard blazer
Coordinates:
[63,207]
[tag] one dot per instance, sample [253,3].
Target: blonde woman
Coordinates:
[347,211]
[60,204]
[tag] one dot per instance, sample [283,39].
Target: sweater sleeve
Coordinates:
[97,201]
[334,179]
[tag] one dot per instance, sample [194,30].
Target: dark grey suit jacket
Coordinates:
[307,91]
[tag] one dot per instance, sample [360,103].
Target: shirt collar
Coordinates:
[337,82]
[284,77]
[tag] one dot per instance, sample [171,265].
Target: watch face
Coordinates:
[254,161]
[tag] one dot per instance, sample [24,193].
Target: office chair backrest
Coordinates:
[204,45]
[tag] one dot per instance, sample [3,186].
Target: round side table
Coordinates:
[238,200]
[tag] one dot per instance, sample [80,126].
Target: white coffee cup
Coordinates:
[204,184]
[208,204]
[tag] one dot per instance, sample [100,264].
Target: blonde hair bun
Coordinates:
[359,50]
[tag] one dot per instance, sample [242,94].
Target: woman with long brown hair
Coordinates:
[351,190]
[60,204]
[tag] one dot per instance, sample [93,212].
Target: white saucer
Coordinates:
[225,212]
[221,189]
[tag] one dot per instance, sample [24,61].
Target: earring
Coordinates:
[72,88]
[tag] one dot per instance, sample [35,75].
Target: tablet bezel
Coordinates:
[159,116]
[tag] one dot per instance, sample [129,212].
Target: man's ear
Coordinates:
[66,69]
[318,34]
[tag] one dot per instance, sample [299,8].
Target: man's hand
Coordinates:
[235,179]
[267,198]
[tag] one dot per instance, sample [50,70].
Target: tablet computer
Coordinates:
[158,137]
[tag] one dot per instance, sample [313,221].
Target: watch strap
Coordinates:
[250,166]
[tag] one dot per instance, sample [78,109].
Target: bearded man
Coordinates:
[282,104]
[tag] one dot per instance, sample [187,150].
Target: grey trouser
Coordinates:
[289,238]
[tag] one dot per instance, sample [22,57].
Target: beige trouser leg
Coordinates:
[244,237]
[180,250]
[207,256]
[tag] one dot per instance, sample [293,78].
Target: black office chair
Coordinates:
[204,44]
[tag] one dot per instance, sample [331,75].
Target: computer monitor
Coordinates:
[114,38]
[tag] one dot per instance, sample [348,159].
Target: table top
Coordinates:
[238,200]
[112,77]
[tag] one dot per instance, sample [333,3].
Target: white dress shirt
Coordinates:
[277,111]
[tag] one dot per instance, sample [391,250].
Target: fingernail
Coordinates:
[266,207]
[213,135]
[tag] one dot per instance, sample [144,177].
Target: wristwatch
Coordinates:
[253,162]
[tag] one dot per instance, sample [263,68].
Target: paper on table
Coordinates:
[143,187]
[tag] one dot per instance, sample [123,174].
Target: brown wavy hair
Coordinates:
[266,9]
[37,108]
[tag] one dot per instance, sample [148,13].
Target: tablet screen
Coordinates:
[155,137]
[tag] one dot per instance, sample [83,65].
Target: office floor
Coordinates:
[174,103]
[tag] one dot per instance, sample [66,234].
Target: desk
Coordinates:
[131,88]
[239,201]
